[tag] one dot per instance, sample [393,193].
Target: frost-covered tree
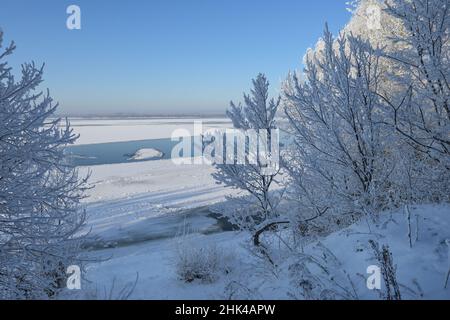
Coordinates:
[417,96]
[413,88]
[421,113]
[40,214]
[339,157]
[371,22]
[257,175]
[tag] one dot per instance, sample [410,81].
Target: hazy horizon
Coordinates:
[141,115]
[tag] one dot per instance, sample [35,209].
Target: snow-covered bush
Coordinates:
[40,192]
[204,263]
[388,270]
[320,276]
[238,290]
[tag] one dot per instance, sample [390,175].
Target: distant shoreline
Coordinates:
[131,116]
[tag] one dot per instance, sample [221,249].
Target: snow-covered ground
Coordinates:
[168,184]
[147,199]
[421,270]
[140,213]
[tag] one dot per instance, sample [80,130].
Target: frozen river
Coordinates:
[118,152]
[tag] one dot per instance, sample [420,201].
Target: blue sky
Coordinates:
[164,56]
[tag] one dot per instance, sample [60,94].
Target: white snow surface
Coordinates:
[421,269]
[426,263]
[182,186]
[119,130]
[149,199]
[145,154]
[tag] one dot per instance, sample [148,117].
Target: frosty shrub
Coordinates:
[202,263]
[238,290]
[388,270]
[320,276]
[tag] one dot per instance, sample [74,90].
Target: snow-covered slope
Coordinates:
[421,268]
[346,255]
